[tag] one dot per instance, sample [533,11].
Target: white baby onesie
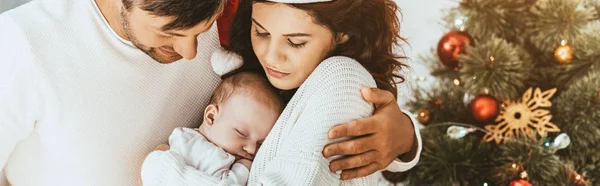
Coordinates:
[191,155]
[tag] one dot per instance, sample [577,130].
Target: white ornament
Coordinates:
[562,141]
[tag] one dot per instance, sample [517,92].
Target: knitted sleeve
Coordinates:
[20,94]
[292,153]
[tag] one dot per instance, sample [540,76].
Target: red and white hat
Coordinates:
[222,60]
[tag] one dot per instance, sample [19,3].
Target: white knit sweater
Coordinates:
[81,106]
[292,152]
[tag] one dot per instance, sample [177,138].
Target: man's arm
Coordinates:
[19,90]
[389,127]
[409,159]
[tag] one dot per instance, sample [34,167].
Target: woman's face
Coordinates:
[288,44]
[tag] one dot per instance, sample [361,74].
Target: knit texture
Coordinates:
[292,152]
[81,106]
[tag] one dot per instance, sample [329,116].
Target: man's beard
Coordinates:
[150,51]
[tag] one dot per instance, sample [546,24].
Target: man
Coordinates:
[86,92]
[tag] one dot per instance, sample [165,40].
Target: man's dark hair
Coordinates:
[187,13]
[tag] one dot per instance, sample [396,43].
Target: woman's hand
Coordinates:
[382,137]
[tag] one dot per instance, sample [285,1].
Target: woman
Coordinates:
[320,53]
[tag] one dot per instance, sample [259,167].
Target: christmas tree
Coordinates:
[518,101]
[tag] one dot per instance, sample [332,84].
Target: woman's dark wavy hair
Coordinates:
[372,25]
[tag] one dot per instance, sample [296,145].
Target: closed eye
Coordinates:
[296,45]
[261,34]
[242,135]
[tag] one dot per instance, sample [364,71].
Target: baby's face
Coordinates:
[241,124]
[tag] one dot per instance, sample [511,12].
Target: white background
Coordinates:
[421,24]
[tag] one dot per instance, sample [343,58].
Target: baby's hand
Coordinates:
[162,147]
[245,162]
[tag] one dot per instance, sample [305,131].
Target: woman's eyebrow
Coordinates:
[287,35]
[258,24]
[297,35]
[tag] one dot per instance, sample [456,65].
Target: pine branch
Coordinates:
[496,65]
[445,103]
[577,113]
[541,165]
[556,20]
[447,161]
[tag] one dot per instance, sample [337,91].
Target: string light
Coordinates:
[485,184]
[514,166]
[524,174]
[578,177]
[456,82]
[486,90]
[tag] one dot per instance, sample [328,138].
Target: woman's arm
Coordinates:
[330,96]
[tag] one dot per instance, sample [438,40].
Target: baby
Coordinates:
[242,111]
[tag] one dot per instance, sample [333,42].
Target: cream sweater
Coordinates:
[81,106]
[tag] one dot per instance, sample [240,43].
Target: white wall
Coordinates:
[9,4]
[422,26]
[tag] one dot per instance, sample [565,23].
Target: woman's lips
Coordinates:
[276,73]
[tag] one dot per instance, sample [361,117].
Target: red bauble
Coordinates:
[451,45]
[485,108]
[520,183]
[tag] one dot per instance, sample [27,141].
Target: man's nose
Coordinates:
[187,47]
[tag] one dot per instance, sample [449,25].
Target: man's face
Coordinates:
[146,32]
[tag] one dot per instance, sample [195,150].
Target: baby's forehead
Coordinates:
[254,100]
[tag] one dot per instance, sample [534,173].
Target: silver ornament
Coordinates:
[562,141]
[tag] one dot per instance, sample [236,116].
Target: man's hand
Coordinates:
[381,138]
[245,162]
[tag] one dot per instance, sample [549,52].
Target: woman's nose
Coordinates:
[274,54]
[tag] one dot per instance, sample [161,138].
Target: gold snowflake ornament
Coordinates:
[526,116]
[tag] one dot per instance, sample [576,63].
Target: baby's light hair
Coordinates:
[248,84]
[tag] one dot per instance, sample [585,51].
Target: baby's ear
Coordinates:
[210,113]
